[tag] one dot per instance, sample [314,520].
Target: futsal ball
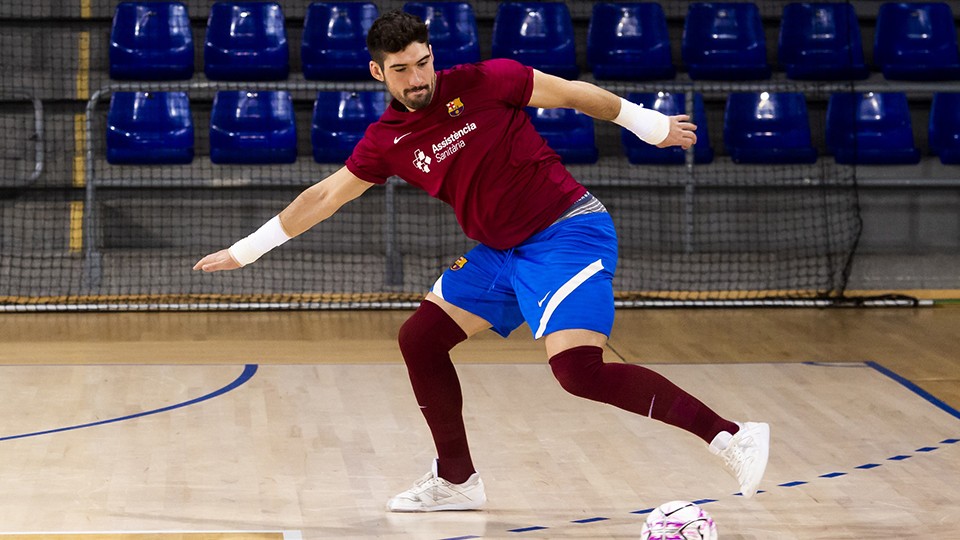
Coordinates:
[679,520]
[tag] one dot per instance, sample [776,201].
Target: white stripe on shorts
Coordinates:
[438,286]
[565,291]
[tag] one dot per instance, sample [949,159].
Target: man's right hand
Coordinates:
[216,262]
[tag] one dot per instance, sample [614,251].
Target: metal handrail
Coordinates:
[38,135]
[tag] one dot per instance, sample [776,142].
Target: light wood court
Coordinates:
[207,426]
[156,536]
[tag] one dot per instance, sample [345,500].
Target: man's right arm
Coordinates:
[322,200]
[313,205]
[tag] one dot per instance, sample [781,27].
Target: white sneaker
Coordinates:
[745,454]
[432,493]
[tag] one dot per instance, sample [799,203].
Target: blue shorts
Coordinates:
[558,279]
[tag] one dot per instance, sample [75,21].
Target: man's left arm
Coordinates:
[550,92]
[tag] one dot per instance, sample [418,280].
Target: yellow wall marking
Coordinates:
[79,150]
[83,66]
[76,226]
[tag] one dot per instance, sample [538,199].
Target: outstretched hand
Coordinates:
[681,133]
[216,262]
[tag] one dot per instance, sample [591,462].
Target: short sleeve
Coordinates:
[511,81]
[366,162]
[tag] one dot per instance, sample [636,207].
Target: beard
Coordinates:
[417,100]
[414,100]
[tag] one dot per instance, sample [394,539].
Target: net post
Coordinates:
[393,259]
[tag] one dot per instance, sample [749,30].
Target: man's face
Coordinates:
[409,75]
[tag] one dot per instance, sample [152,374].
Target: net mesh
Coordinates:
[79,232]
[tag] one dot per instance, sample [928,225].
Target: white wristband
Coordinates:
[267,237]
[651,126]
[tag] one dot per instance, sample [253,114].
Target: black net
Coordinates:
[81,229]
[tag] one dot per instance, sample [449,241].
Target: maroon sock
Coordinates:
[425,342]
[582,372]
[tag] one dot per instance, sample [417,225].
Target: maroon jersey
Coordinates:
[474,148]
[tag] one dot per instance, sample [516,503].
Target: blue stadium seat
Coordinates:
[870,128]
[339,121]
[768,127]
[538,34]
[334,43]
[453,31]
[246,41]
[149,128]
[570,133]
[253,127]
[151,41]
[917,42]
[639,152]
[629,41]
[821,41]
[724,41]
[945,127]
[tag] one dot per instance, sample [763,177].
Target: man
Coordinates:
[547,251]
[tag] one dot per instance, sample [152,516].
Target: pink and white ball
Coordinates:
[679,520]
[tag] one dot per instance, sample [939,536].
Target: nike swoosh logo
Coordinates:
[397,139]
[540,303]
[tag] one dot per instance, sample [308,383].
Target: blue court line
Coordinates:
[528,529]
[248,371]
[795,483]
[910,385]
[589,520]
[867,466]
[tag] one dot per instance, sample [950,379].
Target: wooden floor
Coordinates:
[170,425]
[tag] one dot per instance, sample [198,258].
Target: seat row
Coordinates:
[759,127]
[625,40]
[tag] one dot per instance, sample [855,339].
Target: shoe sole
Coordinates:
[442,508]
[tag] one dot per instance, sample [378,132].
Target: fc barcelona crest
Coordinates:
[458,264]
[455,108]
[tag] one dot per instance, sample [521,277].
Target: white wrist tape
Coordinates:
[651,126]
[267,237]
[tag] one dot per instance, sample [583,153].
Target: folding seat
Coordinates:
[246,41]
[639,152]
[945,127]
[538,34]
[253,127]
[821,41]
[724,41]
[570,133]
[629,41]
[151,41]
[870,128]
[334,43]
[340,120]
[768,127]
[453,31]
[149,128]
[917,42]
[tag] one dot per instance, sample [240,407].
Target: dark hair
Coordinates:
[392,32]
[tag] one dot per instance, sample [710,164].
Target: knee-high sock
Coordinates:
[425,342]
[582,372]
